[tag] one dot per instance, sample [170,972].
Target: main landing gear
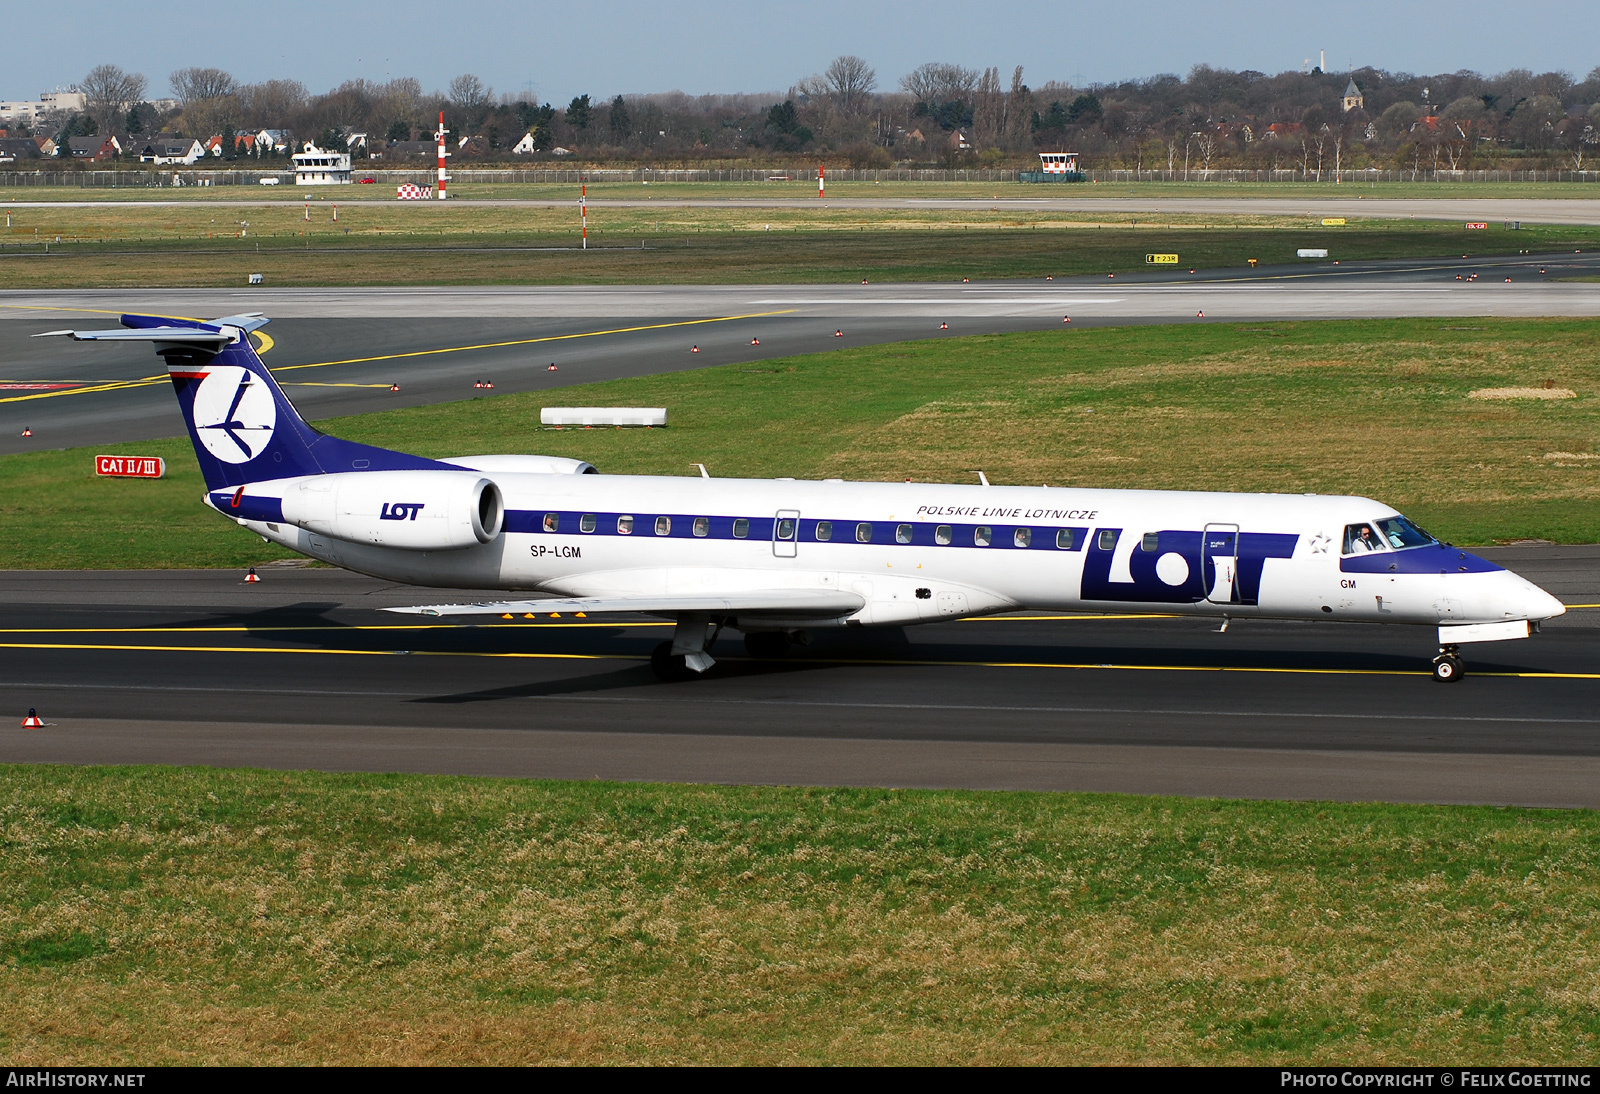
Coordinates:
[1447,667]
[686,656]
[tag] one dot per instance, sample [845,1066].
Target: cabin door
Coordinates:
[1219,562]
[785,533]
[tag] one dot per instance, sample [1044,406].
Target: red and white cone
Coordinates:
[394,387]
[32,721]
[694,349]
[551,367]
[27,432]
[840,333]
[1199,315]
[944,326]
[755,341]
[252,578]
[1066,318]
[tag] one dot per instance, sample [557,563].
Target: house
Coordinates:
[13,149]
[274,140]
[162,150]
[473,146]
[45,145]
[1279,130]
[960,141]
[524,147]
[1353,99]
[95,149]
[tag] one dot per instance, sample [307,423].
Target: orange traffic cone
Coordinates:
[1066,318]
[552,367]
[488,384]
[32,721]
[252,578]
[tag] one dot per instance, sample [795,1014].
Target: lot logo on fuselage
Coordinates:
[234,414]
[400,510]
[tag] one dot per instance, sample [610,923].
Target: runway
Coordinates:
[1085,199]
[303,671]
[339,350]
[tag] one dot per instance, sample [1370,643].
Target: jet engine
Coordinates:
[409,510]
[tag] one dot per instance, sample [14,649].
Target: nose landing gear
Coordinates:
[1447,667]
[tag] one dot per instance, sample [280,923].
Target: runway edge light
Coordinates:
[32,721]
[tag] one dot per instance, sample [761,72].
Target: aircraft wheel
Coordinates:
[766,645]
[1447,669]
[668,666]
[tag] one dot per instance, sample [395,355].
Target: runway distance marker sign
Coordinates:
[1162,260]
[1333,222]
[131,467]
[1478,224]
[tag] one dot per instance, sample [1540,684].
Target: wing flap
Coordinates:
[818,602]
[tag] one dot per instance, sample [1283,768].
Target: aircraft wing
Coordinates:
[183,335]
[821,603]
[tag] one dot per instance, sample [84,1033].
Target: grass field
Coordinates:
[169,916]
[195,243]
[1380,408]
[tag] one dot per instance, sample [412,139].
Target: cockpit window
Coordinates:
[1360,539]
[1400,533]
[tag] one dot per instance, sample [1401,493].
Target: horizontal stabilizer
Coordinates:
[189,336]
[818,602]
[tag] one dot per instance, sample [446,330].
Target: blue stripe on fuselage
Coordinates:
[1434,559]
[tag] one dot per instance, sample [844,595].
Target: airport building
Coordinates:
[315,166]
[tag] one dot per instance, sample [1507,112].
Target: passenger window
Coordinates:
[981,537]
[1151,543]
[586,522]
[1108,538]
[702,526]
[741,528]
[624,526]
[552,521]
[864,533]
[902,533]
[663,526]
[785,528]
[1022,537]
[1360,539]
[1064,538]
[824,531]
[942,535]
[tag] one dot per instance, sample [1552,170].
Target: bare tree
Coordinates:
[1206,142]
[272,103]
[197,85]
[110,93]
[988,109]
[1019,112]
[469,93]
[939,82]
[851,80]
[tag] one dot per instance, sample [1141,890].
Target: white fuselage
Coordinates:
[921,552]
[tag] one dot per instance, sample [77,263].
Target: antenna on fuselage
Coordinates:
[984,479]
[704,474]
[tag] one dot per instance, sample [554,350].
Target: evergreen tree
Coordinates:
[578,112]
[621,122]
[230,141]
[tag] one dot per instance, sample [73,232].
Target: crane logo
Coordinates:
[234,414]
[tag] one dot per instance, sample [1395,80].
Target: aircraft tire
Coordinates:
[669,667]
[766,645]
[1447,669]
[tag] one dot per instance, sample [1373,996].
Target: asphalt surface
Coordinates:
[1086,199]
[339,350]
[303,671]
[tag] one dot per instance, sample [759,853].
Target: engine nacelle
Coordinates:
[525,465]
[410,510]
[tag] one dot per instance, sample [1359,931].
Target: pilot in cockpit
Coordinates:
[1359,539]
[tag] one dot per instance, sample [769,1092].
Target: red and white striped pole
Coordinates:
[443,178]
[822,180]
[583,211]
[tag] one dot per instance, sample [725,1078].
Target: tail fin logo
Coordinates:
[234,414]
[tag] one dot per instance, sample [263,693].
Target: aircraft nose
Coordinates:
[1538,604]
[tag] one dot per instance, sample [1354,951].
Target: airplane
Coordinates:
[776,558]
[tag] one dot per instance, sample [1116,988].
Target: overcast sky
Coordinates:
[561,50]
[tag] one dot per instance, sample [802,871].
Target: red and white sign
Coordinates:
[410,191]
[1479,224]
[131,467]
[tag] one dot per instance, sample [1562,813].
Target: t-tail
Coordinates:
[243,427]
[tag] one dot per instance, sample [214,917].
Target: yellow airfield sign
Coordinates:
[1162,260]
[1332,222]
